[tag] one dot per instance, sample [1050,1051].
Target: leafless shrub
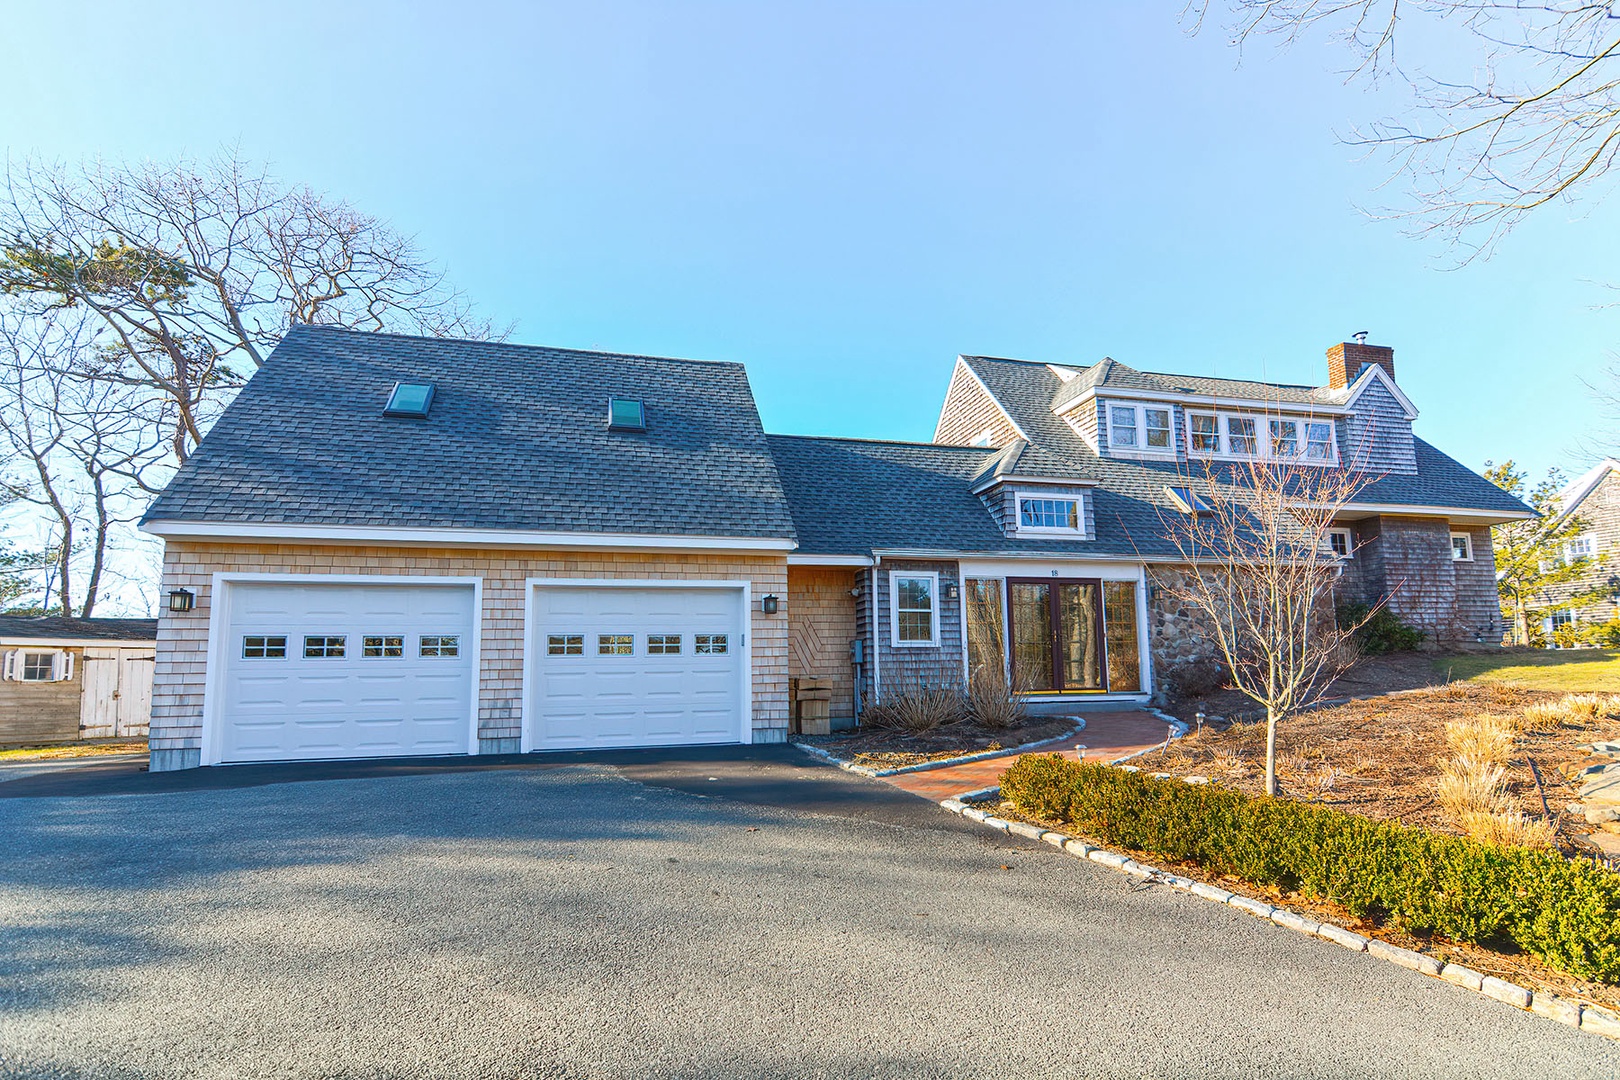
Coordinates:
[1196,678]
[994,699]
[917,707]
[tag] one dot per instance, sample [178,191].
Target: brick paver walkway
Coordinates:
[1108,736]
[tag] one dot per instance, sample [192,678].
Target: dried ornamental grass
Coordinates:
[1471,788]
[1486,739]
[1571,710]
[1509,828]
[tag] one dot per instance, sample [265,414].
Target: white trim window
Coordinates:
[1244,436]
[1579,547]
[38,665]
[1144,429]
[1342,543]
[1051,515]
[914,608]
[1462,547]
[1203,433]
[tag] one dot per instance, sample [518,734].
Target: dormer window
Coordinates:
[1140,427]
[1057,515]
[410,400]
[626,414]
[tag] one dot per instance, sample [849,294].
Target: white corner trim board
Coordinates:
[384,534]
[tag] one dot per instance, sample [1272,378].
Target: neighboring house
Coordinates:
[1595,498]
[392,545]
[64,679]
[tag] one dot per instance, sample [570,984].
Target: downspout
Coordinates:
[876,667]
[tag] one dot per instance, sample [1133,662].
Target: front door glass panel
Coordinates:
[1079,644]
[1031,604]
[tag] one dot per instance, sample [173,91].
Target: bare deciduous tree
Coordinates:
[195,270]
[80,448]
[1531,117]
[1258,574]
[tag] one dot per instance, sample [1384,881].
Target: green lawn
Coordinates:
[1570,670]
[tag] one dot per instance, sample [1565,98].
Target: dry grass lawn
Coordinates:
[1569,671]
[74,750]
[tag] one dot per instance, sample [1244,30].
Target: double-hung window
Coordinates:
[1241,440]
[1140,427]
[1341,542]
[1580,547]
[1204,430]
[1462,547]
[1284,438]
[914,603]
[1318,440]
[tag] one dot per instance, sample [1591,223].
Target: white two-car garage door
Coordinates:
[344,671]
[636,665]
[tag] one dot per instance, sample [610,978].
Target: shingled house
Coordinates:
[1593,498]
[393,545]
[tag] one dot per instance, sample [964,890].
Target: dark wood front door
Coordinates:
[1056,632]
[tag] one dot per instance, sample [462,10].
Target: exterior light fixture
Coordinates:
[952,591]
[181,600]
[768,604]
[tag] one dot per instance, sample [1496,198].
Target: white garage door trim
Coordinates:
[744,590]
[219,626]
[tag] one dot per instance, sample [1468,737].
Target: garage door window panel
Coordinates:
[440,645]
[615,644]
[663,644]
[383,647]
[565,644]
[710,644]
[325,646]
[264,647]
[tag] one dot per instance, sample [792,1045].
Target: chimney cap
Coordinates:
[1360,337]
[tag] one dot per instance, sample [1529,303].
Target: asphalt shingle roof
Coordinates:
[516,439]
[28,627]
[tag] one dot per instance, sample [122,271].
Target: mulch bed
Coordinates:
[1515,967]
[1380,756]
[887,748]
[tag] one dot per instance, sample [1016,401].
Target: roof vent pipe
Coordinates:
[1360,336]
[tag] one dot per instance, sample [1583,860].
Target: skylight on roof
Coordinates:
[626,414]
[1189,502]
[409,399]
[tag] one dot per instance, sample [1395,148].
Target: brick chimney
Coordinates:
[1348,359]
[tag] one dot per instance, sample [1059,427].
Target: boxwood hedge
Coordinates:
[1565,912]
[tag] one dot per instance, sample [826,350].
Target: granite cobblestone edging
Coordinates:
[942,763]
[1589,1018]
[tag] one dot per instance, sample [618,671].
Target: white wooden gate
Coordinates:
[116,697]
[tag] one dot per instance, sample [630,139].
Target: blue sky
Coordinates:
[845,196]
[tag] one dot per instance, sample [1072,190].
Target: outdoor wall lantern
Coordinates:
[951,590]
[181,600]
[767,604]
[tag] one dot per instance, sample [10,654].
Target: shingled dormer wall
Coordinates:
[1377,437]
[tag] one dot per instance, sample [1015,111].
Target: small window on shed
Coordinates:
[626,414]
[410,399]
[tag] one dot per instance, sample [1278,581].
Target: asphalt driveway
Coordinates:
[659,918]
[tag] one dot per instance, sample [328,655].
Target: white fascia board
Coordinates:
[383,534]
[1206,401]
[1451,513]
[78,643]
[962,363]
[1376,373]
[829,560]
[1020,479]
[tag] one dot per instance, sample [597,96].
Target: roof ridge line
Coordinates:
[511,345]
[885,442]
